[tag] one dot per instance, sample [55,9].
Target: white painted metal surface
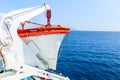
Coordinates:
[28,71]
[46,48]
[24,55]
[18,50]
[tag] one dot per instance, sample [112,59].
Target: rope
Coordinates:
[62,46]
[34,23]
[3,59]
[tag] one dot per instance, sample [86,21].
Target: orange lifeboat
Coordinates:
[45,30]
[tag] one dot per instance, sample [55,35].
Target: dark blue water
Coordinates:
[91,56]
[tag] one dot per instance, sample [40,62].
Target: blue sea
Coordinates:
[91,55]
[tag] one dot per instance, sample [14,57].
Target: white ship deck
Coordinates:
[14,75]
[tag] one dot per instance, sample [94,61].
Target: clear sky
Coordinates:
[97,15]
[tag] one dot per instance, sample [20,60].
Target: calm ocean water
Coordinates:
[91,56]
